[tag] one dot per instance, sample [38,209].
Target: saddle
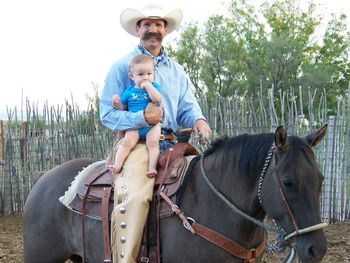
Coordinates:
[95,196]
[95,199]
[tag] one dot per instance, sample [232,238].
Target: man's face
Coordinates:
[152,32]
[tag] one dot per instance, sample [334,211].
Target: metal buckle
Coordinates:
[144,260]
[191,221]
[162,137]
[174,208]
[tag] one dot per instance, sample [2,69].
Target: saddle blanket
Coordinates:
[172,182]
[72,190]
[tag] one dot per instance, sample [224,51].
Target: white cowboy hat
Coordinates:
[129,17]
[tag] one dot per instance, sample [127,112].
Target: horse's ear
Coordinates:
[315,138]
[281,138]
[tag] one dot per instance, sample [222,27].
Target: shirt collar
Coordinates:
[160,59]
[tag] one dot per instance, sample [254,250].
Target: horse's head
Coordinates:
[291,189]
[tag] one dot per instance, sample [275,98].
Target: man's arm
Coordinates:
[191,113]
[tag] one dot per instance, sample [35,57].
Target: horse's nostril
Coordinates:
[315,254]
[312,252]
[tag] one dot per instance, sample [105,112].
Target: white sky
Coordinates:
[51,49]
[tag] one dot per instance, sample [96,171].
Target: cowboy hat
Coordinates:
[129,17]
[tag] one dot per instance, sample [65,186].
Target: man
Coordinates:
[133,189]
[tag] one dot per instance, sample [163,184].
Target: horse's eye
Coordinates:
[288,182]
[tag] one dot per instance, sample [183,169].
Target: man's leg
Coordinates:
[133,192]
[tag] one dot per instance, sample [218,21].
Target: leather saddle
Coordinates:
[172,166]
[93,190]
[94,198]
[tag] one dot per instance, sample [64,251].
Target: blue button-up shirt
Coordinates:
[181,109]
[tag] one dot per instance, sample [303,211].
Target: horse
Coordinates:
[267,174]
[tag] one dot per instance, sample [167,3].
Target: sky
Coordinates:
[51,50]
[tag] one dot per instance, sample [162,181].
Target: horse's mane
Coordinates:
[245,152]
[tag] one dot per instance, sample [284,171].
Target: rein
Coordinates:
[231,205]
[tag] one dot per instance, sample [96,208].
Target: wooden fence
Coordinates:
[51,135]
[45,139]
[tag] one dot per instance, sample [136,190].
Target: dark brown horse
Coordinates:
[264,174]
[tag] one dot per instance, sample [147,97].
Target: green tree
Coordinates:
[288,43]
[329,68]
[223,70]
[244,53]
[189,54]
[251,31]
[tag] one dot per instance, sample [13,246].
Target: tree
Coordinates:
[189,53]
[223,70]
[244,53]
[329,68]
[289,41]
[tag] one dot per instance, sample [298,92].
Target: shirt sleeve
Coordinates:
[116,81]
[188,109]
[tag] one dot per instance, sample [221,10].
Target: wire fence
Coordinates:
[51,135]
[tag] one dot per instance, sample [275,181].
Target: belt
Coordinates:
[169,137]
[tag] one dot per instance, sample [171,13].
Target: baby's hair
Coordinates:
[139,59]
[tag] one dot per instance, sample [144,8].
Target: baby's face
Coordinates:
[142,72]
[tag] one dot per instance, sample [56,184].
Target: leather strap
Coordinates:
[158,206]
[83,214]
[229,245]
[178,212]
[216,238]
[105,222]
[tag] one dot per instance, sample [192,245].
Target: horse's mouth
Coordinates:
[305,253]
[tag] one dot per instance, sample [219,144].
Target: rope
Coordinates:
[231,205]
[306,230]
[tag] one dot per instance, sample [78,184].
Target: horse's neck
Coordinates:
[213,211]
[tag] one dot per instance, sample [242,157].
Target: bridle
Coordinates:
[297,231]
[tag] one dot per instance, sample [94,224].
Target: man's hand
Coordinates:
[153,113]
[202,130]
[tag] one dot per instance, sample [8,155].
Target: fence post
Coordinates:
[2,163]
[327,200]
[2,143]
[23,141]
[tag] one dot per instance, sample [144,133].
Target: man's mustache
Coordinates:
[150,35]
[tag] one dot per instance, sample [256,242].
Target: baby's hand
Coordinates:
[113,168]
[145,85]
[116,102]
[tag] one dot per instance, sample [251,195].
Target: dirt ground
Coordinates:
[11,248]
